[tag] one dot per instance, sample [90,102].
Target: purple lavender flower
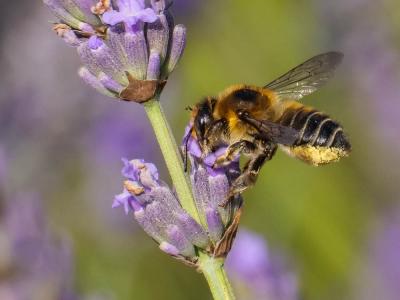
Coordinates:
[381,270]
[158,211]
[130,13]
[33,264]
[160,214]
[76,15]
[255,273]
[191,145]
[37,264]
[127,49]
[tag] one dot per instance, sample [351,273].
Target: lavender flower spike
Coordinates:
[160,214]
[127,49]
[158,211]
[211,188]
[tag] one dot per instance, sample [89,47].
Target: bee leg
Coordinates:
[232,152]
[250,173]
[214,133]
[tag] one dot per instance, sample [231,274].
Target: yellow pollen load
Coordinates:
[315,155]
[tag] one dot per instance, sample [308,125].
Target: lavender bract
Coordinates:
[160,214]
[127,49]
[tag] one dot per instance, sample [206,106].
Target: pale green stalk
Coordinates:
[212,268]
[214,272]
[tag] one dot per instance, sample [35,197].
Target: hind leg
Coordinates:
[250,173]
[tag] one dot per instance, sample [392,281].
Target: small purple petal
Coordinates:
[147,15]
[210,159]
[194,148]
[130,12]
[129,171]
[113,17]
[126,200]
[95,43]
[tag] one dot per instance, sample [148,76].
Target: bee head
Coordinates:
[203,121]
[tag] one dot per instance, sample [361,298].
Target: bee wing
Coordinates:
[271,131]
[307,77]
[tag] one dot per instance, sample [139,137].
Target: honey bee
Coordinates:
[255,121]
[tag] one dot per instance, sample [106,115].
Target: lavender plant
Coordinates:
[128,49]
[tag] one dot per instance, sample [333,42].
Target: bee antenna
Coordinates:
[189,108]
[186,142]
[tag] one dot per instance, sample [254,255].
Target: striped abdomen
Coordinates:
[315,128]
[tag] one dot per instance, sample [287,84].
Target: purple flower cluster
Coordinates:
[257,274]
[127,49]
[158,211]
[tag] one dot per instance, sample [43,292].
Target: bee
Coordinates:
[255,121]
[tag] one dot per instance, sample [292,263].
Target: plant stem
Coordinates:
[172,156]
[214,272]
[211,267]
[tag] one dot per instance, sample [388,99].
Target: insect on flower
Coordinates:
[254,121]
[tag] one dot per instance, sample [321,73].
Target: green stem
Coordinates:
[214,272]
[212,268]
[172,156]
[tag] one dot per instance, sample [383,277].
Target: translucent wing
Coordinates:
[307,77]
[271,131]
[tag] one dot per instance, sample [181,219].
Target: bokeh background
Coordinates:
[336,227]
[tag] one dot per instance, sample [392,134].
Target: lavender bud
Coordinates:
[136,54]
[214,223]
[158,34]
[98,57]
[76,14]
[177,47]
[158,5]
[158,212]
[109,83]
[194,232]
[68,35]
[178,239]
[94,82]
[127,49]
[169,249]
[153,71]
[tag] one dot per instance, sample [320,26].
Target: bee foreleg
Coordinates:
[233,151]
[215,133]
